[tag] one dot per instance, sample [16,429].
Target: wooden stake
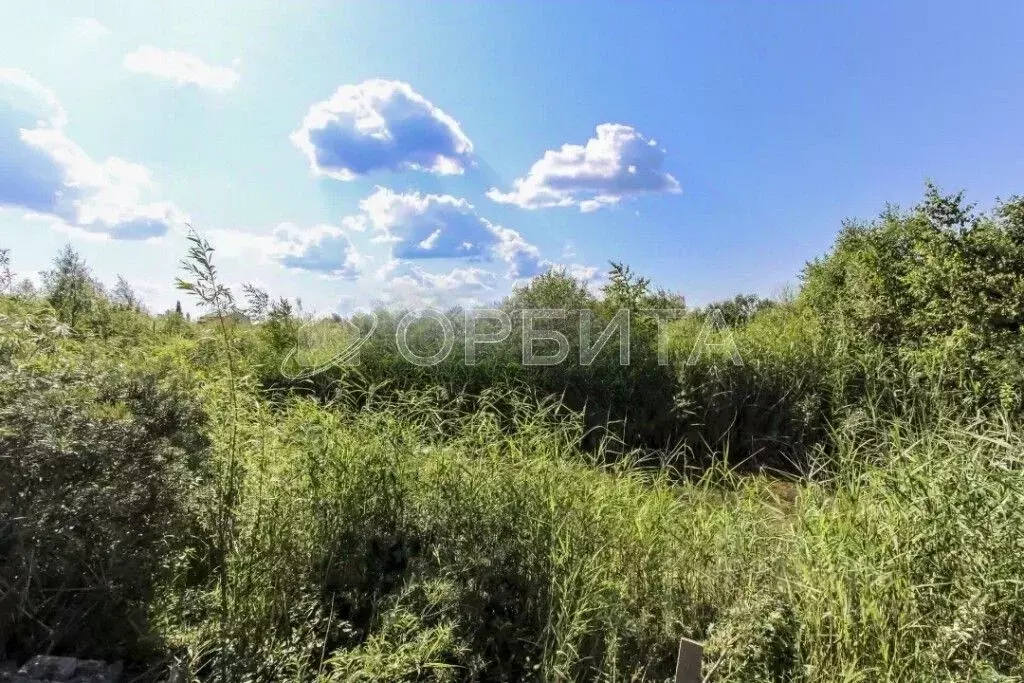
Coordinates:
[688,666]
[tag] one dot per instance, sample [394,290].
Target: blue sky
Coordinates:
[408,152]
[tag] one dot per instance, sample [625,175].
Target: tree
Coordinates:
[69,287]
[6,274]
[625,289]
[555,289]
[124,296]
[739,310]
[25,288]
[258,300]
[938,286]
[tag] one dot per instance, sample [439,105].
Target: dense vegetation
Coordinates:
[824,487]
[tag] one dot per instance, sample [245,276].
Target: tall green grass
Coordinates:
[417,536]
[393,540]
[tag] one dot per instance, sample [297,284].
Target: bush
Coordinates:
[938,290]
[634,401]
[98,466]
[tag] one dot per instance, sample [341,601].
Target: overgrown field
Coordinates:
[845,505]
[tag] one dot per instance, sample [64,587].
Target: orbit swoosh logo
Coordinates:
[323,344]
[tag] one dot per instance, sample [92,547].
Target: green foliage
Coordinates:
[98,466]
[755,641]
[739,310]
[389,513]
[70,288]
[278,328]
[824,488]
[636,399]
[938,290]
[415,637]
[6,274]
[768,411]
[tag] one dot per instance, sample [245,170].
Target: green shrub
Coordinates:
[938,290]
[98,466]
[754,641]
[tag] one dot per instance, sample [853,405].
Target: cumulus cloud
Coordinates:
[579,271]
[523,258]
[410,286]
[323,249]
[380,125]
[326,250]
[29,99]
[414,287]
[45,173]
[181,69]
[620,162]
[443,227]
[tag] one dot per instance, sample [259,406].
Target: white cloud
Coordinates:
[443,227]
[381,125]
[45,173]
[36,103]
[591,276]
[88,29]
[414,287]
[323,249]
[618,163]
[522,257]
[580,271]
[326,250]
[181,69]
[409,232]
